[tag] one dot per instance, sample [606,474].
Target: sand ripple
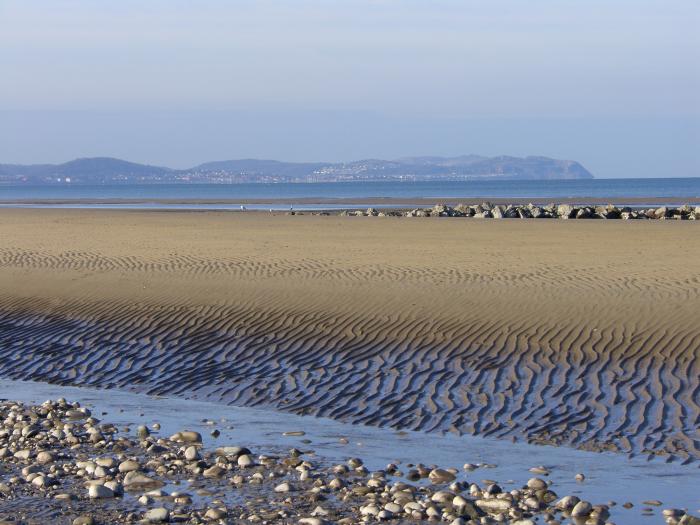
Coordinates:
[521,344]
[575,384]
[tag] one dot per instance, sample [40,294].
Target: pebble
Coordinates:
[438,476]
[392,507]
[494,505]
[44,457]
[581,509]
[245,460]
[187,436]
[39,481]
[93,456]
[319,511]
[158,515]
[129,466]
[191,453]
[23,454]
[567,502]
[215,514]
[536,484]
[310,521]
[231,451]
[369,510]
[136,479]
[84,520]
[354,462]
[214,472]
[100,492]
[142,432]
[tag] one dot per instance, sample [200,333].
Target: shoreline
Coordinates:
[368,201]
[479,211]
[484,210]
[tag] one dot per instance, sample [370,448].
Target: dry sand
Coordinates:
[583,333]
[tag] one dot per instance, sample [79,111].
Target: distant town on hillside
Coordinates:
[105,170]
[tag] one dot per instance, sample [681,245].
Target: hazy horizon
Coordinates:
[174,83]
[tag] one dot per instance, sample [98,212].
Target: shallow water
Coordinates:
[156,206]
[608,476]
[524,189]
[273,206]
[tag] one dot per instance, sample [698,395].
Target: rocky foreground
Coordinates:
[60,464]
[531,211]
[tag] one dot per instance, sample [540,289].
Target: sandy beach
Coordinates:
[577,333]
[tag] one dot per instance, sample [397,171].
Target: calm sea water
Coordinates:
[688,188]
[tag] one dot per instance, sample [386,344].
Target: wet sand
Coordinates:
[583,334]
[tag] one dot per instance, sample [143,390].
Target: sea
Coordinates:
[684,190]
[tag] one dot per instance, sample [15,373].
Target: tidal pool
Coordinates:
[608,476]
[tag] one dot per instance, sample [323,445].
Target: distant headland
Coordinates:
[104,170]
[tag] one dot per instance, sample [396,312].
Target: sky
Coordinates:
[614,85]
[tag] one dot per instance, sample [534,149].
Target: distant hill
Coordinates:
[102,170]
[263,167]
[105,167]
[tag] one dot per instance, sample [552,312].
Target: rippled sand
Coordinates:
[584,333]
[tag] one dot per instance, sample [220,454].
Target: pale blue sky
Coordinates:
[614,84]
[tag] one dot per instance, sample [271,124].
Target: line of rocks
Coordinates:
[530,211]
[60,464]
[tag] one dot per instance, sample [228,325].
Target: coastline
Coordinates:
[369,201]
